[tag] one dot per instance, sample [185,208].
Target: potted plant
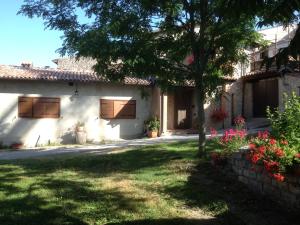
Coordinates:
[80,134]
[17,145]
[152,125]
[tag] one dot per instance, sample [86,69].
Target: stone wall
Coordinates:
[286,193]
[288,84]
[73,64]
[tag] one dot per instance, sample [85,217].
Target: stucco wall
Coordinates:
[288,84]
[83,108]
[248,101]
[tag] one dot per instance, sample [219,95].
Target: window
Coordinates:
[29,107]
[117,109]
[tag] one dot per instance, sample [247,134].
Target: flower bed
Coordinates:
[258,179]
[271,163]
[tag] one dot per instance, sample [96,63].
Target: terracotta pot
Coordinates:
[79,129]
[80,138]
[152,134]
[17,146]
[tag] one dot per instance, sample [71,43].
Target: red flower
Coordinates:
[252,146]
[263,135]
[262,149]
[284,142]
[271,166]
[219,115]
[273,141]
[297,155]
[255,158]
[239,120]
[278,177]
[279,152]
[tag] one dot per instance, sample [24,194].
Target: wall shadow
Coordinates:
[210,189]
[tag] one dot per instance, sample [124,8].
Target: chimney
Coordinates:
[27,64]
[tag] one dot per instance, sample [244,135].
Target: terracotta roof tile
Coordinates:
[20,73]
[261,75]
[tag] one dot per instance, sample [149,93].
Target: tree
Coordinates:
[146,38]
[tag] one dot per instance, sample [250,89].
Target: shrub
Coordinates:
[286,124]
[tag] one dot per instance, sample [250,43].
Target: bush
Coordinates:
[286,124]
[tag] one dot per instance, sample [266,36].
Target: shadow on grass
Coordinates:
[31,193]
[34,195]
[209,189]
[177,221]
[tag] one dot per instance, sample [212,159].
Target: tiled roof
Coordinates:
[261,75]
[20,73]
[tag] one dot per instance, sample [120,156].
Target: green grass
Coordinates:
[161,184]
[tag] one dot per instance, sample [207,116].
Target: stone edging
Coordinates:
[286,193]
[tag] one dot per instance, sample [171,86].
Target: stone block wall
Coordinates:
[287,193]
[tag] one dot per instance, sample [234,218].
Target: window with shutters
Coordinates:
[32,107]
[117,109]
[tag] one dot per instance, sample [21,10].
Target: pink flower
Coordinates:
[284,142]
[263,135]
[213,132]
[297,155]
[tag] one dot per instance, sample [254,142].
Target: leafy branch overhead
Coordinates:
[149,38]
[170,41]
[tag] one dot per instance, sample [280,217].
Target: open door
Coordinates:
[183,109]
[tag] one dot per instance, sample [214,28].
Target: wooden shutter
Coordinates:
[124,109]
[117,109]
[25,107]
[46,108]
[107,109]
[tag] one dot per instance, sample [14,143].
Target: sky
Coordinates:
[25,39]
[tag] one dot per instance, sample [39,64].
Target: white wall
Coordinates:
[84,108]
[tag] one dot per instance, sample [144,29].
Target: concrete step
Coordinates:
[255,123]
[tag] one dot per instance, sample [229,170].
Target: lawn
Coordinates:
[161,184]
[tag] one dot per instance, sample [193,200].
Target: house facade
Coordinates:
[43,106]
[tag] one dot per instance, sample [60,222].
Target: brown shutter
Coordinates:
[25,107]
[46,108]
[125,109]
[106,109]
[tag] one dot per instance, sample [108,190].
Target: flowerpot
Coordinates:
[17,146]
[80,137]
[152,134]
[79,129]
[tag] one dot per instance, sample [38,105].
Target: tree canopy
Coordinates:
[144,38]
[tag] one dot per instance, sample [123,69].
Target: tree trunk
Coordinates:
[201,119]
